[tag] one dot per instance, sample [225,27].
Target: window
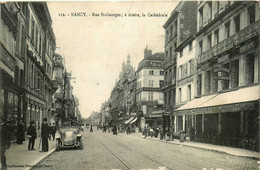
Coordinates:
[199,82]
[180,94]
[171,29]
[210,10]
[151,83]
[161,73]
[161,83]
[227,29]
[175,45]
[166,54]
[171,53]
[251,12]
[200,47]
[39,80]
[40,46]
[190,46]
[207,81]
[217,7]
[234,73]
[189,92]
[189,68]
[150,72]
[209,41]
[225,83]
[237,23]
[250,63]
[216,35]
[201,17]
[36,39]
[176,27]
[150,95]
[32,31]
[181,53]
[180,71]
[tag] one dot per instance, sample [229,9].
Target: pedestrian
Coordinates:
[192,133]
[45,135]
[104,129]
[20,133]
[91,129]
[31,133]
[50,131]
[114,130]
[5,140]
[53,130]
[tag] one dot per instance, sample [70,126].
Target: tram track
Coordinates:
[142,155]
[195,165]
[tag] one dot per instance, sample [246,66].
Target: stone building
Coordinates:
[12,56]
[40,42]
[150,77]
[226,108]
[186,72]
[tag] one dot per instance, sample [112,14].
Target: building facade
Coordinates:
[149,98]
[186,72]
[226,108]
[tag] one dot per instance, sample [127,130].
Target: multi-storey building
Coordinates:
[226,110]
[40,43]
[150,77]
[186,70]
[120,96]
[180,26]
[58,76]
[12,58]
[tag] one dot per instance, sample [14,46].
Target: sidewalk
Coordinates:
[18,156]
[222,149]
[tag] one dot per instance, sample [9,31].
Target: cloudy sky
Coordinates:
[95,47]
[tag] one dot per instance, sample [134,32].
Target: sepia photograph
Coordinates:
[120,85]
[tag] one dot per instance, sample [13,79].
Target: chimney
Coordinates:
[147,52]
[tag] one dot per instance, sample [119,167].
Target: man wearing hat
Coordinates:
[5,140]
[45,135]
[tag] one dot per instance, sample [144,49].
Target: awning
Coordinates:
[234,101]
[134,120]
[129,120]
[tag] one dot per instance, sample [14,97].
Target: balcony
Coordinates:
[171,62]
[231,42]
[168,83]
[7,58]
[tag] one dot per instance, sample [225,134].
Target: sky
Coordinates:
[94,47]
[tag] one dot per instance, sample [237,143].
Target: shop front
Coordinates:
[230,119]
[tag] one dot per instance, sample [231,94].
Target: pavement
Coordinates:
[18,156]
[217,148]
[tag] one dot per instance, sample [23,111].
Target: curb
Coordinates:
[215,150]
[41,159]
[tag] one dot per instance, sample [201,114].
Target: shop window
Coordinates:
[251,14]
[234,73]
[250,63]
[237,23]
[199,83]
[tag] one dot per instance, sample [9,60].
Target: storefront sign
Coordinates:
[248,46]
[221,69]
[218,109]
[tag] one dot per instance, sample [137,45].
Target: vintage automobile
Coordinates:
[69,137]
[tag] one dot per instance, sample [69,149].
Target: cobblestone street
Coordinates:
[107,151]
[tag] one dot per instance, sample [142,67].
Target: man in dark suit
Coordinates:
[5,140]
[31,132]
[45,135]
